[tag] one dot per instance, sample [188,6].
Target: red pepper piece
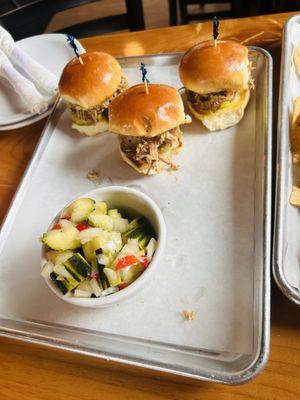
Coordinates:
[67,218]
[123,285]
[126,261]
[94,274]
[56,226]
[144,261]
[82,226]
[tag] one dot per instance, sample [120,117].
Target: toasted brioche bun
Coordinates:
[92,130]
[91,83]
[224,117]
[136,113]
[142,169]
[208,69]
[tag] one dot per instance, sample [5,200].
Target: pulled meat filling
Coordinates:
[209,101]
[152,150]
[95,114]
[213,101]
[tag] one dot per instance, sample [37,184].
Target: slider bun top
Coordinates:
[91,83]
[208,69]
[136,113]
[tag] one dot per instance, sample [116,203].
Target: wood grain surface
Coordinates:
[32,372]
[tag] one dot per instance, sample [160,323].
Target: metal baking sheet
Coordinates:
[286,267]
[217,211]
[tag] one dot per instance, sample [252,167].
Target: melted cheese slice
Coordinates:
[238,101]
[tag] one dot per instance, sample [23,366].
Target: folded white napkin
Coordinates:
[45,79]
[35,102]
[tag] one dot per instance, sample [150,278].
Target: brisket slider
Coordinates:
[148,126]
[89,87]
[217,81]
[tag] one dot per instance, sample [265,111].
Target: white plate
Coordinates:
[28,121]
[52,51]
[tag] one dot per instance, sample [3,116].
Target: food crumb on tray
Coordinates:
[295,196]
[93,176]
[189,315]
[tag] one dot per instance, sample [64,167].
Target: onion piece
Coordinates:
[47,269]
[151,247]
[95,287]
[65,223]
[110,290]
[81,293]
[88,234]
[102,259]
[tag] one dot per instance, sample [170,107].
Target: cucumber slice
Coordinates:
[134,223]
[90,248]
[101,207]
[53,276]
[99,269]
[113,277]
[80,209]
[136,233]
[143,241]
[103,279]
[101,221]
[112,243]
[88,234]
[120,224]
[133,273]
[78,266]
[62,271]
[62,239]
[141,235]
[58,257]
[62,284]
[114,213]
[139,229]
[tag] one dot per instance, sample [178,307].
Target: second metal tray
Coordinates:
[286,265]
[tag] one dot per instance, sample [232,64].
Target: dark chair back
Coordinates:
[238,8]
[33,18]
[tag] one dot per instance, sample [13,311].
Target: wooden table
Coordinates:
[29,372]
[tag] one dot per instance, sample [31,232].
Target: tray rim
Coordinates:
[282,139]
[261,355]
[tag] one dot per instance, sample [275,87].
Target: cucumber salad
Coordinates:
[93,251]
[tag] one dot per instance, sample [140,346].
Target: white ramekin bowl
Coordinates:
[135,202]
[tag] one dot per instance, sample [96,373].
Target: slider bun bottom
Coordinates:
[92,130]
[143,169]
[222,118]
